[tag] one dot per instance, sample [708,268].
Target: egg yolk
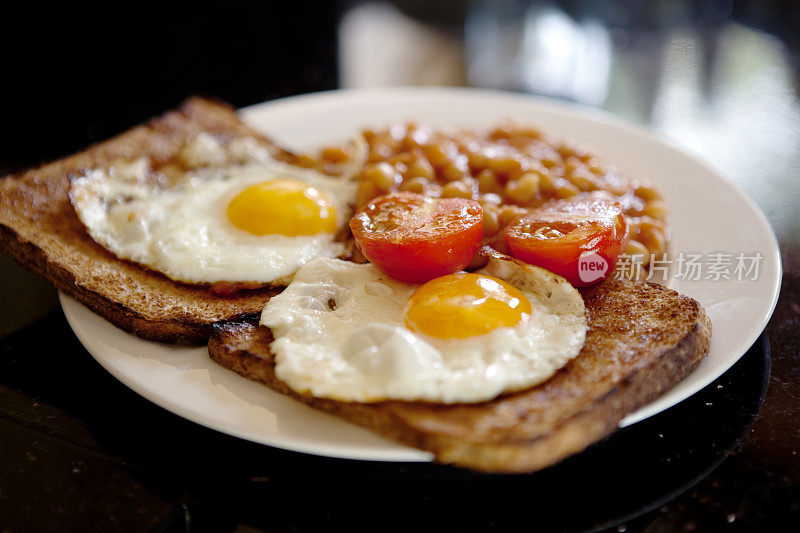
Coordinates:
[464,305]
[283,207]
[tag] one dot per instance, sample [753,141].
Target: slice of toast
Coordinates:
[39,228]
[643,339]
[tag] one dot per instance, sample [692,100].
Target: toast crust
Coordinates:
[39,228]
[643,339]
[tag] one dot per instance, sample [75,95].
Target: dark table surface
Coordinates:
[81,452]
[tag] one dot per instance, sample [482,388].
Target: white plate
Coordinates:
[708,214]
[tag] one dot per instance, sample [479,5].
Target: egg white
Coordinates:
[339,334]
[182,229]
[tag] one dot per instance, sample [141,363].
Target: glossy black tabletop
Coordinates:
[79,451]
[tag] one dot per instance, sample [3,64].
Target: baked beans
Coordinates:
[510,169]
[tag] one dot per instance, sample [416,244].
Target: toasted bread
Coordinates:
[643,338]
[39,228]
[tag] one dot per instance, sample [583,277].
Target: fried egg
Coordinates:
[239,216]
[348,332]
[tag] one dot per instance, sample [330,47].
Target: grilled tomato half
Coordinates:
[579,240]
[415,238]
